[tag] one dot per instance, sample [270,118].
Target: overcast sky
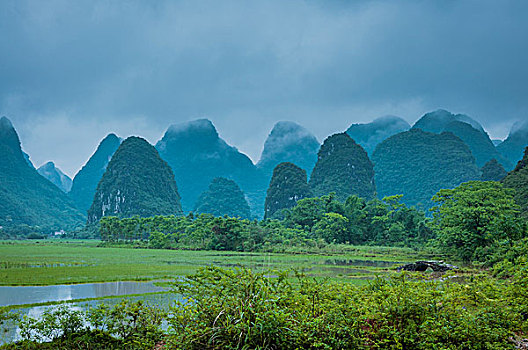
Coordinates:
[73,71]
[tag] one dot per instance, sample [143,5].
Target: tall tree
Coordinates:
[473,216]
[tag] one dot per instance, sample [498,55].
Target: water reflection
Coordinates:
[11,333]
[42,294]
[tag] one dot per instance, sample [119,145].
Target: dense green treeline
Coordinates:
[469,224]
[312,221]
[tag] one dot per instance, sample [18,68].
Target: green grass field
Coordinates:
[67,262]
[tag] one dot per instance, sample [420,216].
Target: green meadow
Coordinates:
[69,262]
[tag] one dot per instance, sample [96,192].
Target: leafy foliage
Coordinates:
[223,197]
[474,216]
[418,164]
[28,202]
[85,181]
[517,180]
[136,182]
[239,309]
[287,186]
[342,167]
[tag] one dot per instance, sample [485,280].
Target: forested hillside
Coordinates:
[288,185]
[418,164]
[197,155]
[223,197]
[342,167]
[136,182]
[85,182]
[28,202]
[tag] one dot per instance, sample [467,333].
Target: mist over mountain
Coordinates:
[26,198]
[289,142]
[342,167]
[55,176]
[197,155]
[287,186]
[223,197]
[86,180]
[369,135]
[418,164]
[513,146]
[468,130]
[437,121]
[136,182]
[517,179]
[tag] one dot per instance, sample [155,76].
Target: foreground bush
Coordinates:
[240,309]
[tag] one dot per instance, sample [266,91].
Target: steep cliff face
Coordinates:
[26,198]
[53,174]
[223,197]
[371,134]
[418,164]
[287,186]
[85,182]
[342,167]
[197,155]
[289,142]
[136,182]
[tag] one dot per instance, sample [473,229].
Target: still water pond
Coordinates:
[43,294]
[10,332]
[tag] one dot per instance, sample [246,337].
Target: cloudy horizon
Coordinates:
[72,72]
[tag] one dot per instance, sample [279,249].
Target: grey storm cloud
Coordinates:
[73,71]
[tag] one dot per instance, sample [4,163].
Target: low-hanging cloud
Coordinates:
[74,71]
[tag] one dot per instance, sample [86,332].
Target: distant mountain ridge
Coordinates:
[289,142]
[513,146]
[468,130]
[55,176]
[26,198]
[85,181]
[436,121]
[369,135]
[418,164]
[197,155]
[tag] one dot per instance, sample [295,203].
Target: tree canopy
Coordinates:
[474,216]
